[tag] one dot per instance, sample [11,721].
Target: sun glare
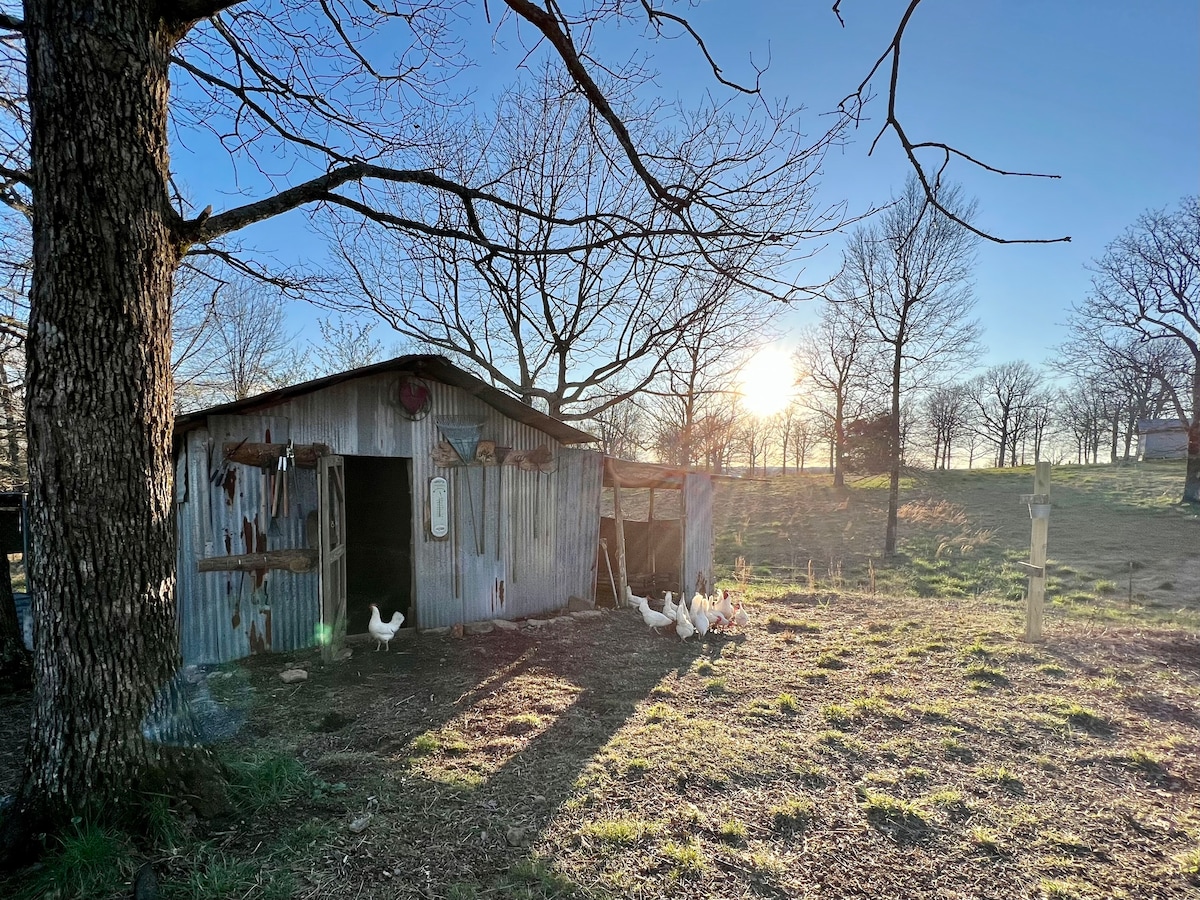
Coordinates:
[766,382]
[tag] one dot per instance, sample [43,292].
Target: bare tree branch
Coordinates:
[854,103]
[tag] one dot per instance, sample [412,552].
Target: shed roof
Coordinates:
[1152,426]
[435,368]
[632,474]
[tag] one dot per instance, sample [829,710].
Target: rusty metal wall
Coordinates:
[697,533]
[228,615]
[580,483]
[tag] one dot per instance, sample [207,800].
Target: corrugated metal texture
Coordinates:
[580,482]
[697,533]
[228,615]
[435,368]
[500,560]
[355,418]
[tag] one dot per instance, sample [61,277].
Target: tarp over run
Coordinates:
[642,475]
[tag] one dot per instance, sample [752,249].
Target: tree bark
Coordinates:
[889,543]
[99,403]
[16,665]
[1191,483]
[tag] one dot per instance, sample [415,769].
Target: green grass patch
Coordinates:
[980,673]
[1076,715]
[626,831]
[732,832]
[715,686]
[661,712]
[89,861]
[884,810]
[686,858]
[523,723]
[794,814]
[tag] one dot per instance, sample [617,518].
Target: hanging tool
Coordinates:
[290,462]
[287,457]
[217,476]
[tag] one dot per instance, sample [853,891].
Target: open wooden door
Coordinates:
[331,488]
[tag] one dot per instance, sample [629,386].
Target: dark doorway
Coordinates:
[378,539]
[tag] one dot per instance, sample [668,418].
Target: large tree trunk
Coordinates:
[889,543]
[16,666]
[98,405]
[838,453]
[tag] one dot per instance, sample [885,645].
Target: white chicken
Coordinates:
[700,614]
[382,631]
[669,608]
[740,617]
[652,617]
[683,623]
[725,606]
[632,599]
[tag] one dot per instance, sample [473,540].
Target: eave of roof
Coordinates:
[631,474]
[435,368]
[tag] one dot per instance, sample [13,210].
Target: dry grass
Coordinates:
[519,766]
[1117,534]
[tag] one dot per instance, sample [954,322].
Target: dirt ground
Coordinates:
[842,746]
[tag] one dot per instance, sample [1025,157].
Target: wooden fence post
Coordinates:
[1039,514]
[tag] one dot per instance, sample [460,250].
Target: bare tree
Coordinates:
[237,345]
[621,429]
[944,411]
[345,345]
[835,359]
[698,374]
[1141,375]
[752,437]
[1001,396]
[908,275]
[1083,415]
[562,330]
[1148,283]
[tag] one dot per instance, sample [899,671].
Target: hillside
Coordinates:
[962,531]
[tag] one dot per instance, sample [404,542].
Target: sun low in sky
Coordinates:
[766,383]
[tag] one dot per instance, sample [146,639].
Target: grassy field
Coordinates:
[1119,540]
[843,745]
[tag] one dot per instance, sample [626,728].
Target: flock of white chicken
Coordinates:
[704,614]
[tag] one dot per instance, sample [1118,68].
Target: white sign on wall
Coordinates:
[439,508]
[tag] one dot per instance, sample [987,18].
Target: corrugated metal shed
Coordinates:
[522,538]
[434,368]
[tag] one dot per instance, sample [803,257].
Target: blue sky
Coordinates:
[1104,93]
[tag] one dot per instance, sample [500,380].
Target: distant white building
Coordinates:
[1162,439]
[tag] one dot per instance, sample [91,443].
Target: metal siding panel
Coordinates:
[228,615]
[526,575]
[580,481]
[355,418]
[698,532]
